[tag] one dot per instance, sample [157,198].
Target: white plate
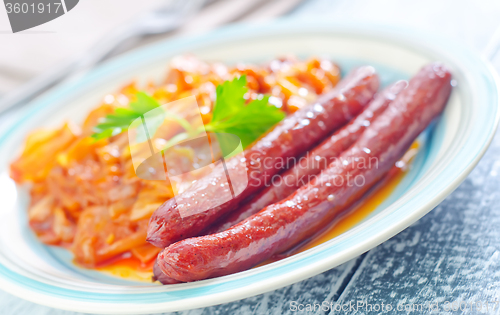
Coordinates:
[451,149]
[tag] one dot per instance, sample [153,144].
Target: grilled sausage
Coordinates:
[295,134]
[158,275]
[280,226]
[315,161]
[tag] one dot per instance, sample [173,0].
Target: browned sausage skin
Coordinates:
[315,161]
[159,276]
[293,136]
[282,225]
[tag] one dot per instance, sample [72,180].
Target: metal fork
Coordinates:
[177,15]
[162,20]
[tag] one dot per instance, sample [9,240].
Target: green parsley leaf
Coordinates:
[229,98]
[143,103]
[231,115]
[122,118]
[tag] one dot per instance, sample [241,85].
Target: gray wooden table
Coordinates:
[450,259]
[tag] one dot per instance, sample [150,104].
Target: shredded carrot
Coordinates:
[85,194]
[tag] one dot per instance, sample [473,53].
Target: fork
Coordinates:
[177,15]
[162,20]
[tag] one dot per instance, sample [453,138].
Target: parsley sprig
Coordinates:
[122,118]
[231,114]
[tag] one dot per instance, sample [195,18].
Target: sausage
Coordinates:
[315,161]
[158,275]
[289,138]
[280,226]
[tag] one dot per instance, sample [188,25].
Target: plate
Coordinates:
[450,150]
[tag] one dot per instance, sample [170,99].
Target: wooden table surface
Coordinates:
[448,259]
